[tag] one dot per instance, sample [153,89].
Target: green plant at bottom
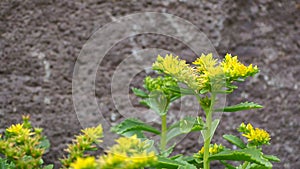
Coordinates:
[128,152]
[251,152]
[23,146]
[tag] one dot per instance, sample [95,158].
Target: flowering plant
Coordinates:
[205,80]
[23,146]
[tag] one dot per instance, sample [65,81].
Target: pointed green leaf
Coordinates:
[272,158]
[158,102]
[203,91]
[139,92]
[228,166]
[239,107]
[133,125]
[187,166]
[184,126]
[248,154]
[163,162]
[168,151]
[214,126]
[185,161]
[181,91]
[234,140]
[44,143]
[50,166]
[257,166]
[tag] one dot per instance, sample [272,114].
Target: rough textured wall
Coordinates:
[40,41]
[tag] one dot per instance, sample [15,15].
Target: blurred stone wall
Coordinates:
[40,41]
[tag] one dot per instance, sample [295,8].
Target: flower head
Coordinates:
[205,62]
[255,136]
[178,69]
[15,128]
[162,84]
[93,133]
[235,69]
[85,163]
[207,74]
[213,149]
[129,153]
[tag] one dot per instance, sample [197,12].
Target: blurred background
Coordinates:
[41,40]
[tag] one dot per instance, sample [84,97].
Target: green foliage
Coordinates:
[23,146]
[133,125]
[240,107]
[234,140]
[248,154]
[82,143]
[184,126]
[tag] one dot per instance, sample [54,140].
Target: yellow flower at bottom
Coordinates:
[17,128]
[85,163]
[129,153]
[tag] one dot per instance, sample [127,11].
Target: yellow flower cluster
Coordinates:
[213,149]
[85,163]
[178,69]
[22,145]
[129,153]
[160,84]
[256,136]
[207,74]
[235,69]
[82,143]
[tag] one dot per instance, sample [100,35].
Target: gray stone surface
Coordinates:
[40,41]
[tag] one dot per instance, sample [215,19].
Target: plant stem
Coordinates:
[163,139]
[207,135]
[245,165]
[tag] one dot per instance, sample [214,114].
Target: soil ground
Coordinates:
[41,40]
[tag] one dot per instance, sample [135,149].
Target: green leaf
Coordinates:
[256,166]
[44,143]
[184,126]
[168,151]
[163,162]
[181,91]
[248,154]
[50,166]
[214,126]
[203,91]
[138,133]
[234,140]
[4,164]
[158,102]
[186,165]
[231,86]
[239,107]
[272,158]
[139,92]
[133,125]
[228,166]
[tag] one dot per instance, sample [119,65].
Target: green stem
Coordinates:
[245,165]
[163,139]
[207,135]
